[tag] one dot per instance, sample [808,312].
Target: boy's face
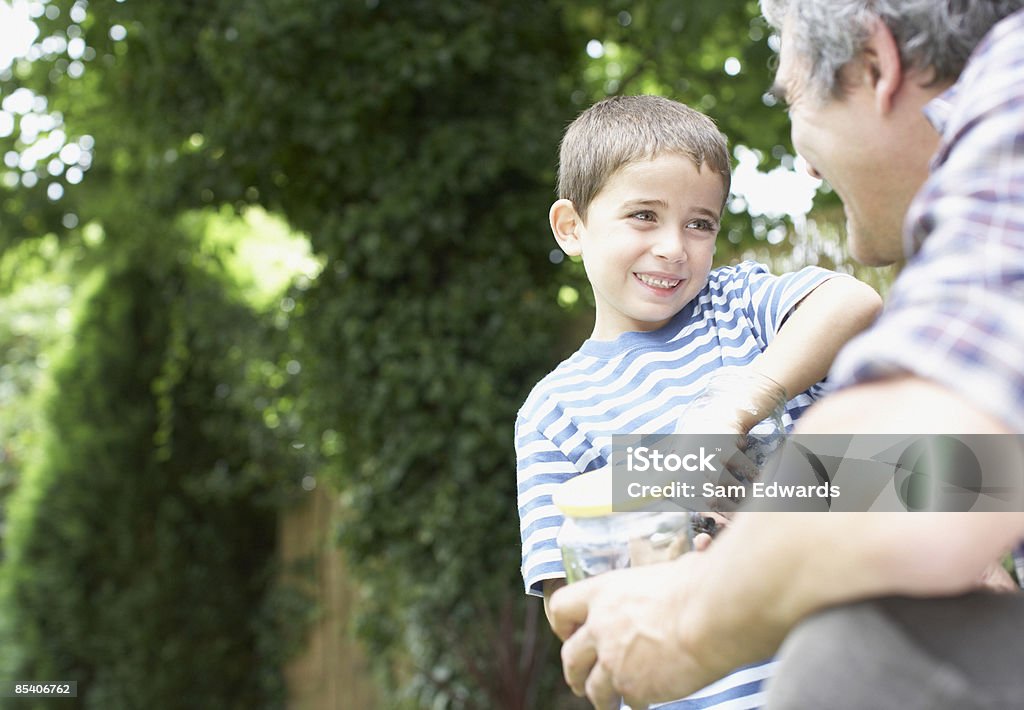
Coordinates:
[647,242]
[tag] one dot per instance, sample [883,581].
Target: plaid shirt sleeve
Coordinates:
[956,313]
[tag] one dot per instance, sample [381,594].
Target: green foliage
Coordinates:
[680,50]
[415,144]
[142,537]
[141,541]
[33,319]
[434,313]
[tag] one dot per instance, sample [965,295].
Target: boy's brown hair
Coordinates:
[621,130]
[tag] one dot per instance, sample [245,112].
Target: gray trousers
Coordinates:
[907,654]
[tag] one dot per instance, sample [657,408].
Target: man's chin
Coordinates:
[873,252]
[872,259]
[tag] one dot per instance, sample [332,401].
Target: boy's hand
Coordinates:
[734,401]
[738,405]
[706,527]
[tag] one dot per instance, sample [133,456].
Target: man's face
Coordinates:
[853,146]
[648,242]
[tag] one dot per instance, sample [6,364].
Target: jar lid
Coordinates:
[588,495]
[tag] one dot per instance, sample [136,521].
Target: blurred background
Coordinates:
[275,277]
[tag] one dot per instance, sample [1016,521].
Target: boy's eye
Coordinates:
[705,225]
[643,216]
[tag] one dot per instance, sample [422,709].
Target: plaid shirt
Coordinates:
[955,314]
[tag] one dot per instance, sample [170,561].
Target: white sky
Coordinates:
[780,191]
[17,31]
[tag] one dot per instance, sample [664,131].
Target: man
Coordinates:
[926,149]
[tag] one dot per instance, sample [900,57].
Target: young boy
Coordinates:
[642,182]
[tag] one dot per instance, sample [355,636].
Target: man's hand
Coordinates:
[997,579]
[626,635]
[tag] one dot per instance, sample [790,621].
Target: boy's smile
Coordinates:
[647,242]
[659,284]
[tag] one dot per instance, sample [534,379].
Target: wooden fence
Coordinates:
[332,672]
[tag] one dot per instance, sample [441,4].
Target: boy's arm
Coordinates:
[540,468]
[808,341]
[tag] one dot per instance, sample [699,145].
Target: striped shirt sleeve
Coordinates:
[540,468]
[770,299]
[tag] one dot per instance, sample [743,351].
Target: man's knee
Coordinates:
[903,653]
[815,659]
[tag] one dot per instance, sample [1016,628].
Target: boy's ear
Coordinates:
[882,61]
[565,225]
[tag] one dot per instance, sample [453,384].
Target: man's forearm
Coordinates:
[777,568]
[939,553]
[769,571]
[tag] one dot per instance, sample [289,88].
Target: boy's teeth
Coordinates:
[658,283]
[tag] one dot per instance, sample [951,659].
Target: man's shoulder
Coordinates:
[993,76]
[1004,36]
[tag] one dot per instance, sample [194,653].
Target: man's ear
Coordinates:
[883,66]
[566,224]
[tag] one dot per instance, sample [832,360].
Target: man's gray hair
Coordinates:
[934,36]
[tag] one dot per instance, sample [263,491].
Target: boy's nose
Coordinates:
[670,245]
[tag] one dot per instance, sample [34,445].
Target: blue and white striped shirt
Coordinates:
[639,383]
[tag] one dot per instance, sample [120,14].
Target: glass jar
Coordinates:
[594,539]
[1017,557]
[738,399]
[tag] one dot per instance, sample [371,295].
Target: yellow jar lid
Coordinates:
[588,495]
[591,495]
